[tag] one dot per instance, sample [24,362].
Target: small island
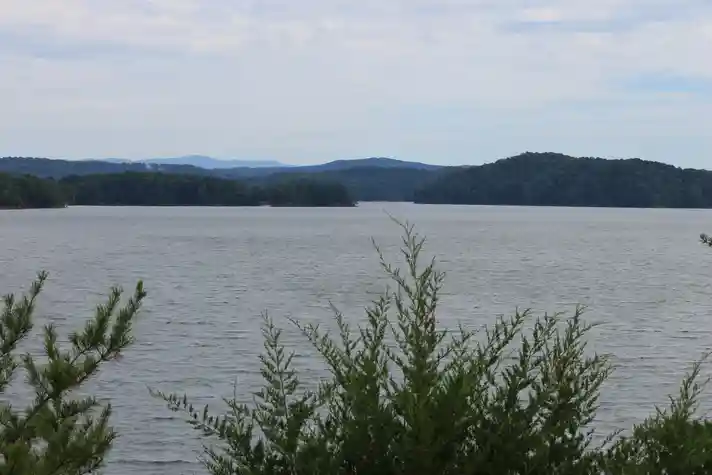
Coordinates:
[163,189]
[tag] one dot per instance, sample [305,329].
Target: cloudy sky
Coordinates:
[306,81]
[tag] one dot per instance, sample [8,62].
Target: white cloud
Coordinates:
[319,79]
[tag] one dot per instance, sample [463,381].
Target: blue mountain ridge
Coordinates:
[210,163]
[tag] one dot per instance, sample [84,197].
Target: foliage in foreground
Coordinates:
[406,398]
[58,433]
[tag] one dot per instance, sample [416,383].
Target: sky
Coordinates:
[309,81]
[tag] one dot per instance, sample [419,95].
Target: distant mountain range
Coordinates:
[528,179]
[210,163]
[202,161]
[57,168]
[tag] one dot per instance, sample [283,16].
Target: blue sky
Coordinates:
[440,81]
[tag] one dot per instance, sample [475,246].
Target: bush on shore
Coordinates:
[405,397]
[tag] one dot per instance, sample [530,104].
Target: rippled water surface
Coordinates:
[211,272]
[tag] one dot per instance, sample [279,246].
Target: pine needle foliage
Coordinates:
[57,433]
[405,397]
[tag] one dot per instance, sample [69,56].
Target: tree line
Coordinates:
[161,189]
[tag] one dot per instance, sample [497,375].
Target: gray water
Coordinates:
[211,272]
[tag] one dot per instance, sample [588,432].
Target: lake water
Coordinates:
[211,272]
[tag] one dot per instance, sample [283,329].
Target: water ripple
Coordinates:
[211,272]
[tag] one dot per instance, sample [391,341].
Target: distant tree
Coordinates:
[58,432]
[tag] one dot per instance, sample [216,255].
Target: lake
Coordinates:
[211,272]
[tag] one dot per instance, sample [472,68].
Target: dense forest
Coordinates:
[368,184]
[161,189]
[25,191]
[301,191]
[550,179]
[529,179]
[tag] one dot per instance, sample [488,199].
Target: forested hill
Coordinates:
[550,179]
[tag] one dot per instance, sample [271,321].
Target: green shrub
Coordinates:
[673,441]
[405,397]
[56,433]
